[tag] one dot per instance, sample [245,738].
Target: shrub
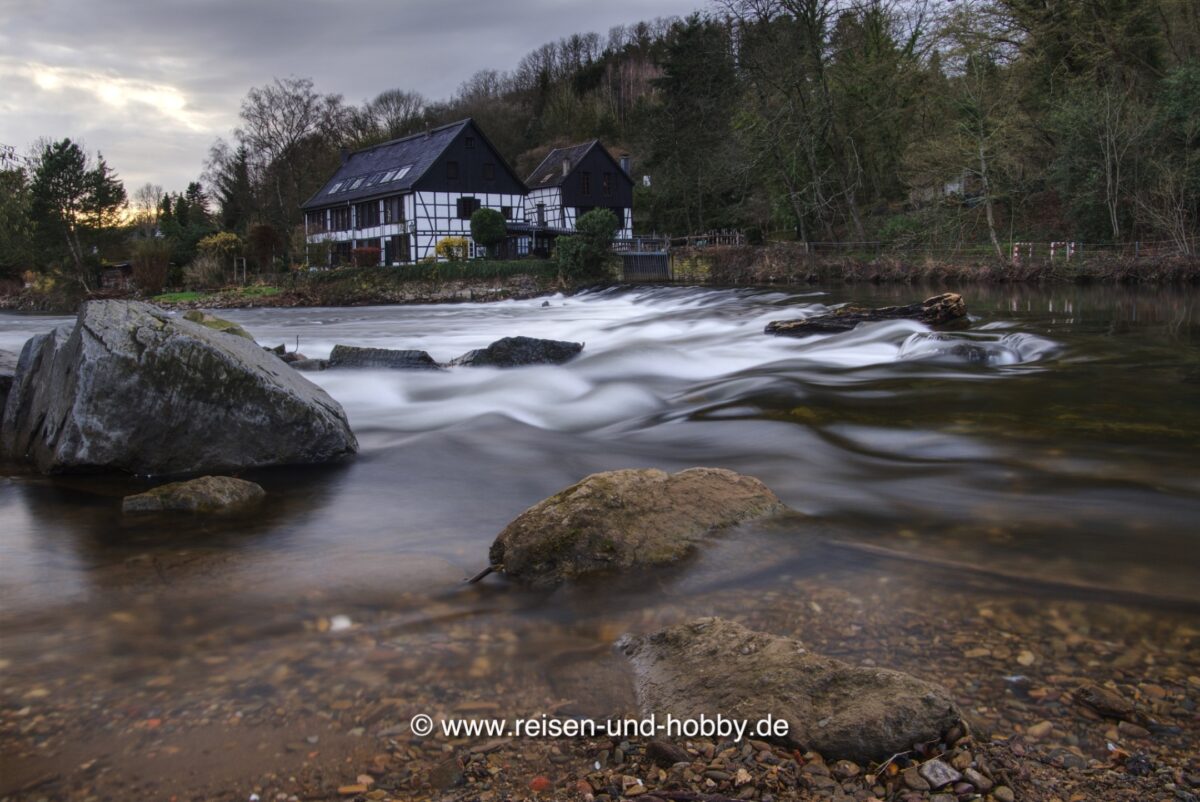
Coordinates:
[452,249]
[224,245]
[488,228]
[588,254]
[365,257]
[205,272]
[151,263]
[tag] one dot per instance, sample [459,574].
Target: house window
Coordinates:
[452,171]
[469,142]
[606,186]
[339,219]
[393,210]
[336,187]
[467,207]
[316,221]
[403,171]
[507,212]
[489,171]
[585,183]
[396,250]
[356,184]
[367,214]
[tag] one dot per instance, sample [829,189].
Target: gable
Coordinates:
[585,185]
[470,163]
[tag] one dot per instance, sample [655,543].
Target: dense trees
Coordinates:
[75,204]
[925,123]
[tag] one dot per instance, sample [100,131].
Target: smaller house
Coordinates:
[573,181]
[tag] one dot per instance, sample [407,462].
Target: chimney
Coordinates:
[625,163]
[566,167]
[344,153]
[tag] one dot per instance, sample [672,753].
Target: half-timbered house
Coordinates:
[573,181]
[401,197]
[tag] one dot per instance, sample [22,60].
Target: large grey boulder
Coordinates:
[131,388]
[349,356]
[206,494]
[512,352]
[626,519]
[716,667]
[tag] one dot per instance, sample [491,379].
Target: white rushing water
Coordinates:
[645,352]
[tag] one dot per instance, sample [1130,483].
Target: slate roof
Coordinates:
[550,173]
[417,152]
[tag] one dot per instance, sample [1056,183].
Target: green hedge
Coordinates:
[436,271]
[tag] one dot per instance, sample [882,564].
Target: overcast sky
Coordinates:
[151,83]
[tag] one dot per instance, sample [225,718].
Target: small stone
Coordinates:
[666,754]
[1103,701]
[975,778]
[845,769]
[540,785]
[938,774]
[972,654]
[1040,730]
[352,790]
[912,779]
[741,777]
[1026,658]
[1128,729]
[1004,794]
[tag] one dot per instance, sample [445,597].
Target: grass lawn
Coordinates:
[197,295]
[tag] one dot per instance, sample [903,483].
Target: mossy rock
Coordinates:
[626,519]
[208,494]
[216,324]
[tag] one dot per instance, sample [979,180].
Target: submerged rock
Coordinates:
[310,364]
[206,494]
[216,324]
[716,667]
[946,309]
[626,519]
[349,356]
[131,388]
[512,352]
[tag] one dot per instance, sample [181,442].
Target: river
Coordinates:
[1059,450]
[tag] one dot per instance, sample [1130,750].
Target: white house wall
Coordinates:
[429,217]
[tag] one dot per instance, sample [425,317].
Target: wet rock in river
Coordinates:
[716,667]
[1109,704]
[349,356]
[310,364]
[512,352]
[8,366]
[946,309]
[130,387]
[206,494]
[216,324]
[626,519]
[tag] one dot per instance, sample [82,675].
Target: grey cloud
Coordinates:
[205,54]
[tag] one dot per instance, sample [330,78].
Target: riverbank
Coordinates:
[300,703]
[791,264]
[478,281]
